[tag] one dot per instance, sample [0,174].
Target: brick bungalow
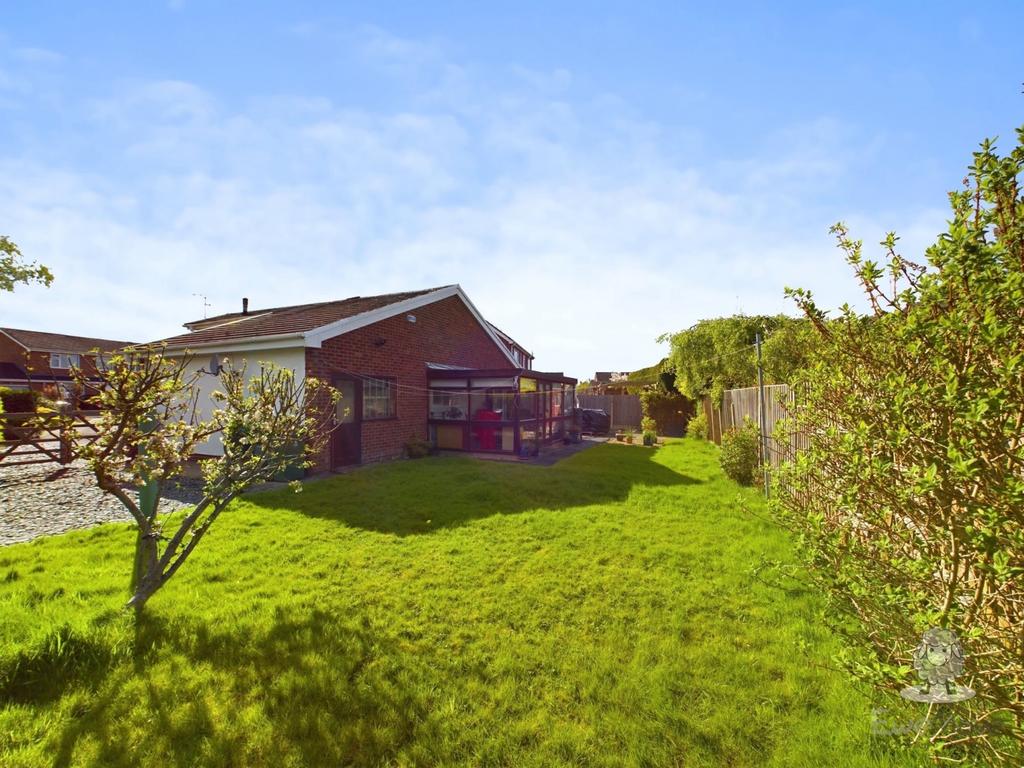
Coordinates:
[35,359]
[421,364]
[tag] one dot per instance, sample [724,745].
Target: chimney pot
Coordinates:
[245,306]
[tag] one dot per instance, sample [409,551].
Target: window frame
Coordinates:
[73,360]
[369,396]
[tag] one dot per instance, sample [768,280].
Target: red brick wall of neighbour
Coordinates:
[444,332]
[39,366]
[11,352]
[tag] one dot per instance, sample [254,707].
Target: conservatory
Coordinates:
[513,411]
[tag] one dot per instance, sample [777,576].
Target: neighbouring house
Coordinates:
[421,364]
[609,383]
[37,359]
[523,358]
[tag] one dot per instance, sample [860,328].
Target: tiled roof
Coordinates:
[607,377]
[40,341]
[298,318]
[507,338]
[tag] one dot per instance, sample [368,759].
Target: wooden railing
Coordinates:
[38,438]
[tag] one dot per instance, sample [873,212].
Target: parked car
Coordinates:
[593,420]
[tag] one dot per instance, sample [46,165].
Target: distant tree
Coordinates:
[148,429]
[718,354]
[787,349]
[14,269]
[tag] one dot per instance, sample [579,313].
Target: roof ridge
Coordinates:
[8,330]
[307,305]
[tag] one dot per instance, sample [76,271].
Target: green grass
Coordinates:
[441,612]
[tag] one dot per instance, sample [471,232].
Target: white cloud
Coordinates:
[37,55]
[576,226]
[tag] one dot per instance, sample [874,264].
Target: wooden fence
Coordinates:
[33,438]
[625,410]
[741,404]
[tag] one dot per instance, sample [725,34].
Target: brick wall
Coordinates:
[11,352]
[444,332]
[37,364]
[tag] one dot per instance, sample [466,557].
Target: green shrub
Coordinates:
[17,401]
[739,456]
[647,424]
[698,426]
[418,448]
[907,499]
[667,410]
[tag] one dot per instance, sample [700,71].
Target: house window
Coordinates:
[64,360]
[379,399]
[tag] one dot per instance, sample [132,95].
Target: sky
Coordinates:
[593,174]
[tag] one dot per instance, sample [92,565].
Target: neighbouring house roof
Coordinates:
[505,337]
[41,341]
[311,324]
[607,377]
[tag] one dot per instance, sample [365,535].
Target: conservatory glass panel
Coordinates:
[490,405]
[492,437]
[448,405]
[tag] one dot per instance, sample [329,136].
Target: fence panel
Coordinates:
[625,410]
[740,404]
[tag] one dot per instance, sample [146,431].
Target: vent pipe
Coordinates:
[245,306]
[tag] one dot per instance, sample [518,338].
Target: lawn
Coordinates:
[600,612]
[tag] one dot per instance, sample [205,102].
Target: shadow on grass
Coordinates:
[347,703]
[41,673]
[417,497]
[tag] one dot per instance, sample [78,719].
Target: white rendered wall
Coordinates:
[293,359]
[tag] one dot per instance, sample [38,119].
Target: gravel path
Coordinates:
[43,499]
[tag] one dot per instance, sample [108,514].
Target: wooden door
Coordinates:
[346,440]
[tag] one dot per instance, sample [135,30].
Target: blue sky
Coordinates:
[593,174]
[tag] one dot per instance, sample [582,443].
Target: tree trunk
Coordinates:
[146,576]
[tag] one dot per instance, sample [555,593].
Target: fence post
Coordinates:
[761,414]
[66,430]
